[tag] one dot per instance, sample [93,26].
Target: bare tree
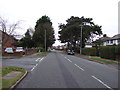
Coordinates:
[8,29]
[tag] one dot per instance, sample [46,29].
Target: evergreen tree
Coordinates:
[43,25]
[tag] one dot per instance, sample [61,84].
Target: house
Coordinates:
[116,39]
[88,45]
[7,40]
[109,41]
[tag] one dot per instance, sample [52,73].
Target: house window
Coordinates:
[111,41]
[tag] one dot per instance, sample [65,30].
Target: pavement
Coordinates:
[58,70]
[11,75]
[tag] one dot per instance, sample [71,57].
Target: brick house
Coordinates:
[7,40]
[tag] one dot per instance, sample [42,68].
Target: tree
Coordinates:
[26,41]
[70,32]
[8,29]
[42,25]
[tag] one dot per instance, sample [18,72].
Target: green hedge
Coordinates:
[89,51]
[109,52]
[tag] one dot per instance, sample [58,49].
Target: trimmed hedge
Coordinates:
[109,52]
[89,51]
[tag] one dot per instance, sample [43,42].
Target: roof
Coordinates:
[105,38]
[116,37]
[1,33]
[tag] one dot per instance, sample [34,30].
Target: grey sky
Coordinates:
[103,12]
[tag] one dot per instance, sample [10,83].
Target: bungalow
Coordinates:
[109,41]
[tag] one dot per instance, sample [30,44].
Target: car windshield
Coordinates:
[19,48]
[8,49]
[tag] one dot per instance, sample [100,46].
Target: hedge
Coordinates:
[89,51]
[109,52]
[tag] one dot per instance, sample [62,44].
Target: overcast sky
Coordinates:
[103,12]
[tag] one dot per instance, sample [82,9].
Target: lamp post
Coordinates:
[45,40]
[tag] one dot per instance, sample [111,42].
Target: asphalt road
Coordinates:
[59,70]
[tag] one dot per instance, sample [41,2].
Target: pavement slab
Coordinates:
[11,75]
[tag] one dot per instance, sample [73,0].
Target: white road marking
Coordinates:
[68,59]
[79,67]
[41,59]
[37,59]
[37,63]
[102,83]
[65,57]
[33,68]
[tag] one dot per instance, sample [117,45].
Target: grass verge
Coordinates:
[42,54]
[7,83]
[103,60]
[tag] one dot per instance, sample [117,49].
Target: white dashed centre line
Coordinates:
[33,68]
[37,59]
[79,67]
[68,59]
[102,83]
[37,63]
[75,64]
[41,59]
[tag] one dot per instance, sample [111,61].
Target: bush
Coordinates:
[89,51]
[40,48]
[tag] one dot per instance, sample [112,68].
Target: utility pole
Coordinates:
[81,40]
[45,40]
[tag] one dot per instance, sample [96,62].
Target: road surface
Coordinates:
[59,70]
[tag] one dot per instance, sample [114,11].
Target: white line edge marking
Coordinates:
[102,83]
[79,67]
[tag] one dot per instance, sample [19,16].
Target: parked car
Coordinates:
[70,52]
[20,49]
[9,50]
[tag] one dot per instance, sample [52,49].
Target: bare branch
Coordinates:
[3,24]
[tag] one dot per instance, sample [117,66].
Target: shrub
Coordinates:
[89,51]
[40,48]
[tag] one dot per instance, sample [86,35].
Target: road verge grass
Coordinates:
[103,60]
[7,83]
[97,59]
[42,54]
